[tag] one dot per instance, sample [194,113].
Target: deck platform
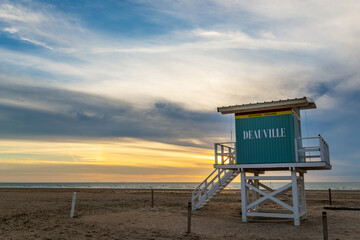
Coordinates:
[318,165]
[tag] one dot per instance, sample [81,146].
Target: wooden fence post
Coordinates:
[189,218]
[325,229]
[73,205]
[152,198]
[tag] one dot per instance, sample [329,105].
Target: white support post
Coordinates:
[296,150]
[321,145]
[303,194]
[222,154]
[256,194]
[73,205]
[243,196]
[247,193]
[234,156]
[219,179]
[206,188]
[295,195]
[216,156]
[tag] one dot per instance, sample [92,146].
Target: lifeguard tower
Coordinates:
[268,138]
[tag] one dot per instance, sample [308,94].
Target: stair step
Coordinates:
[215,188]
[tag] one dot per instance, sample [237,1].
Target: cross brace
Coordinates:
[295,206]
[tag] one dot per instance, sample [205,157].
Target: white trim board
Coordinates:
[278,166]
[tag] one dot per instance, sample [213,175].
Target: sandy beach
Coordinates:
[127,214]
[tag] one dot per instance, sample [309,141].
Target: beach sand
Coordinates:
[127,214]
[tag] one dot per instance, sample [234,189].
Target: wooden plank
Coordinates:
[273,215]
[269,178]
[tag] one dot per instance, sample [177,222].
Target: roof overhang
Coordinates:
[301,103]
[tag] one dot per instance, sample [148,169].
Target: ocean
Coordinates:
[172,185]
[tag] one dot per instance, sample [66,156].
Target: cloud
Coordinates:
[10,12]
[234,62]
[224,58]
[198,68]
[52,112]
[40,24]
[35,42]
[202,33]
[10,30]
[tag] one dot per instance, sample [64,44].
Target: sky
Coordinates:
[127,91]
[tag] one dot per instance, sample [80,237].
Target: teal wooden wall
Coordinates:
[266,139]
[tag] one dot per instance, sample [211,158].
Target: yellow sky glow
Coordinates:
[120,159]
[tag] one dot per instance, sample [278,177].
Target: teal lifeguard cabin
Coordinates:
[268,138]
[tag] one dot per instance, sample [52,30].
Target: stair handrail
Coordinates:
[203,182]
[205,188]
[211,188]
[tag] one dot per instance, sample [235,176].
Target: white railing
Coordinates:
[312,149]
[225,153]
[209,185]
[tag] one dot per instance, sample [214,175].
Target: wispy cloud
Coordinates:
[39,24]
[35,42]
[10,30]
[10,12]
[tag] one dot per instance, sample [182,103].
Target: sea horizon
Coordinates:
[169,185]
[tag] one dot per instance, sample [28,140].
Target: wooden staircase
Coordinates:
[211,186]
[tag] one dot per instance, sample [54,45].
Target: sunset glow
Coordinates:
[127,159]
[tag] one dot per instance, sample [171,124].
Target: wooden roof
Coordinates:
[302,103]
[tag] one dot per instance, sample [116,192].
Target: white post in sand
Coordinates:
[295,196]
[243,196]
[73,205]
